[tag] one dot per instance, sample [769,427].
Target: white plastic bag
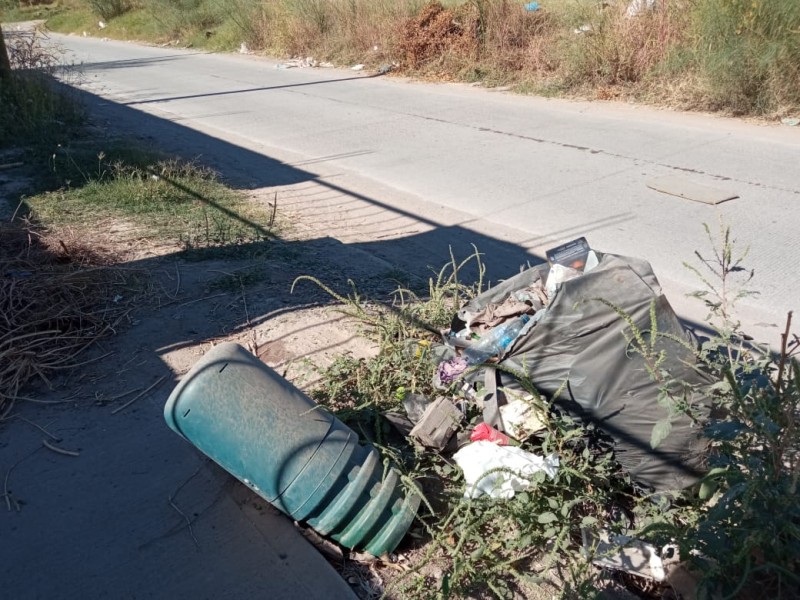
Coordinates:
[515,468]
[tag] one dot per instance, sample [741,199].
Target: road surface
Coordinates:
[530,172]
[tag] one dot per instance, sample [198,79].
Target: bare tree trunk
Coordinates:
[5,64]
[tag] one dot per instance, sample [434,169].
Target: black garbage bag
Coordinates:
[578,356]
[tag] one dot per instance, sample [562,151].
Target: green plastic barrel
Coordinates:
[294,454]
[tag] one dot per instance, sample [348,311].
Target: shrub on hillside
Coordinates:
[749,52]
[108,9]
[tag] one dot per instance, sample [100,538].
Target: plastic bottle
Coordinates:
[495,341]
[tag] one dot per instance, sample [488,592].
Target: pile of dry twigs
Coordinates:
[56,300]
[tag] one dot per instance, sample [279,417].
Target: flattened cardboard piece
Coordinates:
[438,424]
[572,254]
[683,188]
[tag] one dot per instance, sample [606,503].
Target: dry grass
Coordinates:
[437,32]
[57,298]
[733,56]
[576,47]
[338,30]
[494,41]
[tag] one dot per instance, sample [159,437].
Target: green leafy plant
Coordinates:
[747,517]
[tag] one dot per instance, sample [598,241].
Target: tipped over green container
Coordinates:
[291,452]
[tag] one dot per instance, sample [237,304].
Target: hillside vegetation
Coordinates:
[738,57]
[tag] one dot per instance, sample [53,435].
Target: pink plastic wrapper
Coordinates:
[487,433]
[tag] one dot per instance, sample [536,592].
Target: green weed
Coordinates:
[168,198]
[749,53]
[746,520]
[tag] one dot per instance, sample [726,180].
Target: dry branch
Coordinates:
[54,305]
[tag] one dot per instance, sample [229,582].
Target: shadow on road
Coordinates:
[131,516]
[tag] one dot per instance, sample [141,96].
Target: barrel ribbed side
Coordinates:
[299,457]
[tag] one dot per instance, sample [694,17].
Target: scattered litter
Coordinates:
[532,6]
[559,274]
[437,424]
[573,254]
[500,471]
[495,341]
[639,7]
[326,65]
[450,370]
[487,433]
[591,261]
[520,418]
[623,553]
[117,299]
[358,67]
[400,422]
[384,69]
[243,49]
[101,24]
[683,188]
[495,313]
[302,63]
[583,29]
[572,343]
[790,122]
[84,34]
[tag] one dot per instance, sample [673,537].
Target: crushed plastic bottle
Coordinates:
[495,342]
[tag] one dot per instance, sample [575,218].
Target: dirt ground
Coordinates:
[156,498]
[178,309]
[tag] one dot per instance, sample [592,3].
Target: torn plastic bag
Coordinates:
[579,350]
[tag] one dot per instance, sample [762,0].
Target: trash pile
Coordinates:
[576,336]
[569,329]
[587,334]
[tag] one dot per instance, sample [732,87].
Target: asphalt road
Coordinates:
[525,171]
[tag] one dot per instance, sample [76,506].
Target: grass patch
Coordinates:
[167,198]
[74,18]
[12,10]
[750,53]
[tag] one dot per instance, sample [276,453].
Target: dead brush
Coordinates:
[55,302]
[436,32]
[618,48]
[513,38]
[27,52]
